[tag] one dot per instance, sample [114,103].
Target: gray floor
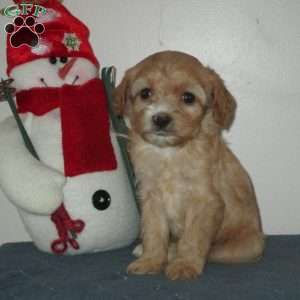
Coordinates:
[26,273]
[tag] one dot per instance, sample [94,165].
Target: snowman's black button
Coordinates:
[101,200]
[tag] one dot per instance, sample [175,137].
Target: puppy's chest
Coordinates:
[173,176]
[173,188]
[174,201]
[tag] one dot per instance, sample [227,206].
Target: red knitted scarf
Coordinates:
[85,124]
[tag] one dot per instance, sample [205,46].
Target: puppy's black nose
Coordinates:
[161,120]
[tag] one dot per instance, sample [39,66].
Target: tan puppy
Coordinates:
[197,201]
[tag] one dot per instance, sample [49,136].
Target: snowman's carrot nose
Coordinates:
[63,72]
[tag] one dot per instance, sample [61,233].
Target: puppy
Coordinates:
[197,201]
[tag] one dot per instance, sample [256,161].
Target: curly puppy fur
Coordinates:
[197,201]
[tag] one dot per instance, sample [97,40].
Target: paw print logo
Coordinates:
[24,32]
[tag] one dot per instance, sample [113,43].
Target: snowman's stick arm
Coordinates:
[6,93]
[109,77]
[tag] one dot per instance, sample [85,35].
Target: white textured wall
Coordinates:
[254,45]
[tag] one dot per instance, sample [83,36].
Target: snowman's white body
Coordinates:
[114,227]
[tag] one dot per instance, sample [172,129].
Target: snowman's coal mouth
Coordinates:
[75,79]
[43,81]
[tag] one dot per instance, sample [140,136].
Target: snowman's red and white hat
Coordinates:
[64,36]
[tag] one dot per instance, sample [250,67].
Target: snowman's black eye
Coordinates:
[101,200]
[64,60]
[53,60]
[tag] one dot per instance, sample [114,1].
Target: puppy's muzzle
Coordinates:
[161,121]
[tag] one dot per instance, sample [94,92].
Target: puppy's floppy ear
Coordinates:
[120,95]
[222,102]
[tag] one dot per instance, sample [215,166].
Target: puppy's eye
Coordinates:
[146,93]
[188,98]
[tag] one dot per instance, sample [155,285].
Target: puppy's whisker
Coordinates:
[125,136]
[121,135]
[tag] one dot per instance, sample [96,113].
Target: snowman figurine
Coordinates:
[77,197]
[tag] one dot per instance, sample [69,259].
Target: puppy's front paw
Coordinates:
[180,269]
[151,265]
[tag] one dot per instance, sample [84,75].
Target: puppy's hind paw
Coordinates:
[138,250]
